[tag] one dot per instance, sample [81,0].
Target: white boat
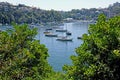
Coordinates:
[64,38]
[47,31]
[51,35]
[0,24]
[68,32]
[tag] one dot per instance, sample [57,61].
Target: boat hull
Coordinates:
[51,35]
[68,33]
[49,29]
[61,30]
[64,39]
[46,32]
[79,37]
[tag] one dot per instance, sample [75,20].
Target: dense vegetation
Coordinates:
[98,58]
[24,58]
[25,14]
[92,13]
[21,56]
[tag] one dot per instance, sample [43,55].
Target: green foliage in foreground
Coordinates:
[98,58]
[21,56]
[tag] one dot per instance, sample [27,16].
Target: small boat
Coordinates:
[79,37]
[68,33]
[64,38]
[61,30]
[49,29]
[0,24]
[6,24]
[46,32]
[51,35]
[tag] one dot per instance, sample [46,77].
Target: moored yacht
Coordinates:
[64,38]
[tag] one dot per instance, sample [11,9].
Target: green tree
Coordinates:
[98,58]
[21,56]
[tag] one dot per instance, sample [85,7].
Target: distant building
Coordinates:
[68,19]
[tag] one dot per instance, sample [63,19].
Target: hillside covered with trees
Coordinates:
[25,14]
[92,13]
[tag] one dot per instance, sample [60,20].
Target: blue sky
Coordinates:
[63,4]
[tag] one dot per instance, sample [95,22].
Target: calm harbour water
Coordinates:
[60,51]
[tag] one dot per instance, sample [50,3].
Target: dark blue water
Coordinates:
[60,51]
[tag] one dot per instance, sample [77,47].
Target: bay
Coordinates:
[60,51]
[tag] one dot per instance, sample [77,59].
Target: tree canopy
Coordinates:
[21,56]
[98,58]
